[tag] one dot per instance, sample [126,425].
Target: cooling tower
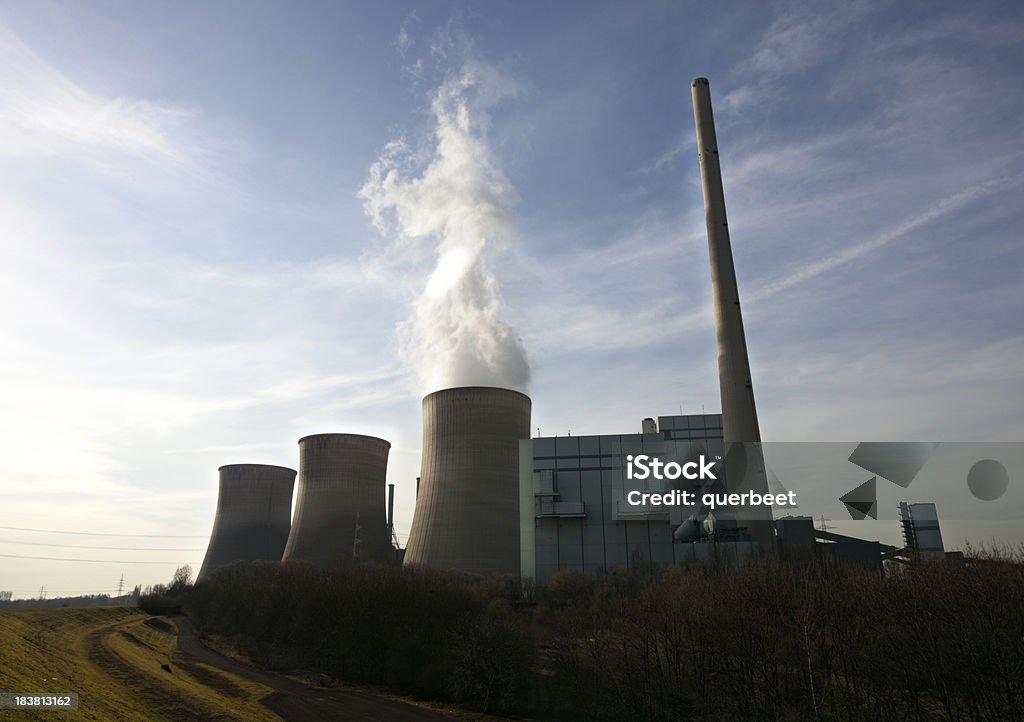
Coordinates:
[254,508]
[340,513]
[467,509]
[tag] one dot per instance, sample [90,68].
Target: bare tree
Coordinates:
[182,578]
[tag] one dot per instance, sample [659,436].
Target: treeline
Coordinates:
[167,598]
[418,632]
[85,600]
[772,642]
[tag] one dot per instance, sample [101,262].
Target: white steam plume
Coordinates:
[461,200]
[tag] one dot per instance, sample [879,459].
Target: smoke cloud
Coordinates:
[458,198]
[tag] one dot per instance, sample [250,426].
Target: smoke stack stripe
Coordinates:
[467,510]
[342,480]
[254,505]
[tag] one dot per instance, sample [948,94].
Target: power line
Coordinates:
[86,546]
[98,561]
[96,533]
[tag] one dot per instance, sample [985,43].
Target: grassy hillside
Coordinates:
[112,657]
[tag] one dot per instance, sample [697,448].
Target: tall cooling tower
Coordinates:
[254,508]
[467,510]
[340,513]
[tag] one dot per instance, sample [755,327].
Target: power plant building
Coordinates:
[574,510]
[340,511]
[467,503]
[254,505]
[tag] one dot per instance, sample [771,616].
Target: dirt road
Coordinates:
[292,700]
[152,692]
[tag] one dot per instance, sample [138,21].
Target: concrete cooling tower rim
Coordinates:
[339,437]
[486,389]
[255,466]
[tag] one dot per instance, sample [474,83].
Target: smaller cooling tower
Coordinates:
[340,513]
[467,508]
[254,507]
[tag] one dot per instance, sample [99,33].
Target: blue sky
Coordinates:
[189,278]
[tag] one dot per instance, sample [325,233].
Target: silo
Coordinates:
[254,507]
[340,513]
[467,508]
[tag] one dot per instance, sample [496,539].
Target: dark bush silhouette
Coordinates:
[166,599]
[773,641]
[490,658]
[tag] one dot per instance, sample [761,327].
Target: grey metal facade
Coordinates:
[574,511]
[340,512]
[467,507]
[921,531]
[254,505]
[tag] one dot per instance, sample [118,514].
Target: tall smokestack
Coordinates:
[739,415]
[254,506]
[467,512]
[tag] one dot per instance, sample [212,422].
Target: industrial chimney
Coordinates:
[744,464]
[254,507]
[340,512]
[467,509]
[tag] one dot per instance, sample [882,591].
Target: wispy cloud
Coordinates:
[42,112]
[131,342]
[891,389]
[670,156]
[405,40]
[934,212]
[801,37]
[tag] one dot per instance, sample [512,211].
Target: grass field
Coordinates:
[112,657]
